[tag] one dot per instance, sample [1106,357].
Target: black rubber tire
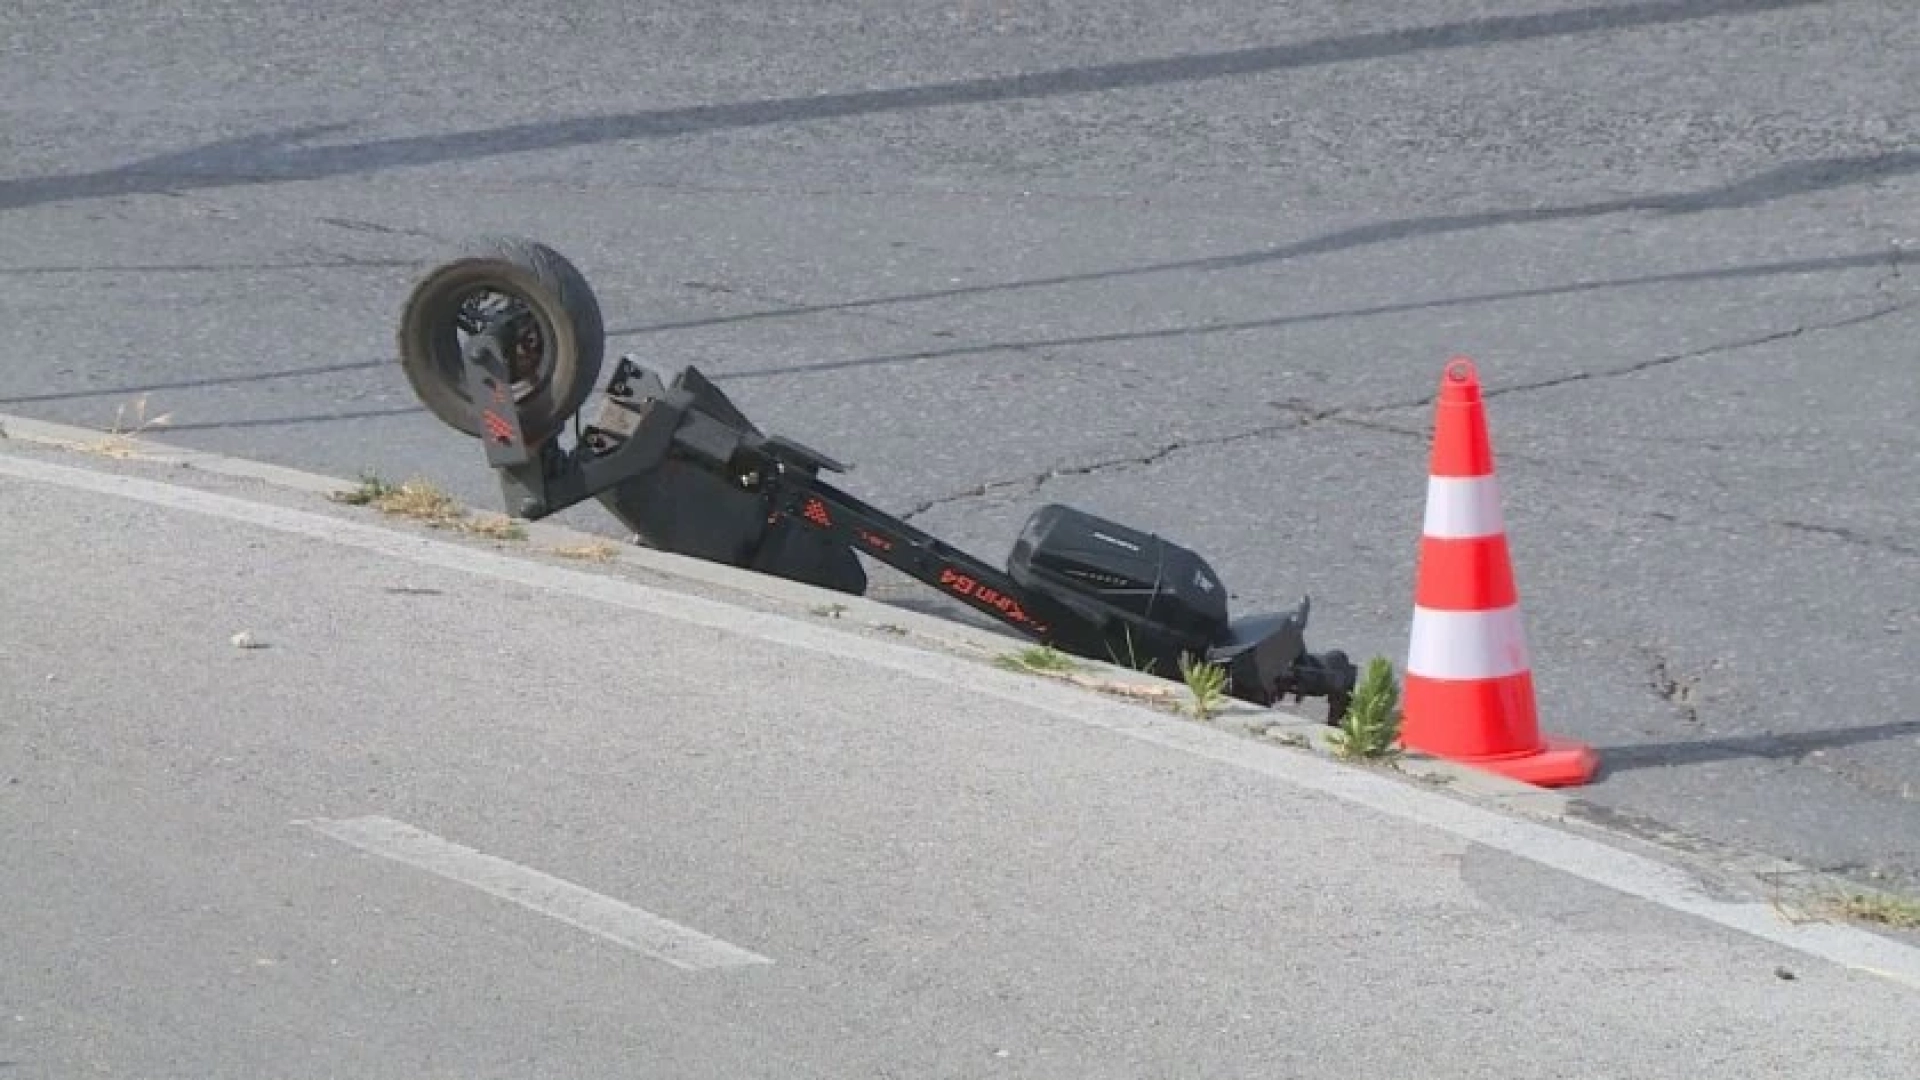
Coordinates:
[557,294]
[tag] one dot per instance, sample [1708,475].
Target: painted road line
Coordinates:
[623,924]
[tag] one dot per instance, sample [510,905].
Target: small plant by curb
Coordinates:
[1895,912]
[369,492]
[420,501]
[118,442]
[1207,682]
[1043,658]
[1133,657]
[1371,728]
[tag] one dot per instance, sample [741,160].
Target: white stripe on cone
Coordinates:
[1463,507]
[1467,644]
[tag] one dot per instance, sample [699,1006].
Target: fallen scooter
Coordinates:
[504,342]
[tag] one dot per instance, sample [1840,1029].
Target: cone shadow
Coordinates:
[1758,747]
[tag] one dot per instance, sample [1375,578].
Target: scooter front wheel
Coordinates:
[545,316]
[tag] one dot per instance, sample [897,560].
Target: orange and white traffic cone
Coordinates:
[1468,694]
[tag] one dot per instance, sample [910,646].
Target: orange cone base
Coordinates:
[1558,763]
[1490,724]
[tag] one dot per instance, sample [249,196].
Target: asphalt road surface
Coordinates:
[845,859]
[1196,266]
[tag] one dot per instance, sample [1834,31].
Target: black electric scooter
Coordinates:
[505,342]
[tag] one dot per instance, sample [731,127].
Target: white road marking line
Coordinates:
[623,924]
[1578,856]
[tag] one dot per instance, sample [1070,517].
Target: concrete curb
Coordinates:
[863,613]
[543,537]
[1100,694]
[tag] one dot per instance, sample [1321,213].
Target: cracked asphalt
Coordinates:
[1197,269]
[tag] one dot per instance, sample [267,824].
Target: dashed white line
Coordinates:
[623,924]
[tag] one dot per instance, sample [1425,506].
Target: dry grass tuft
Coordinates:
[598,551]
[419,500]
[118,442]
[1896,912]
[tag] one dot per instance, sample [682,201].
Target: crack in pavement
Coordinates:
[1850,536]
[1305,414]
[1034,482]
[1666,360]
[1301,415]
[796,306]
[1895,256]
[325,259]
[1592,471]
[1677,690]
[379,229]
[1877,869]
[1862,777]
[1695,354]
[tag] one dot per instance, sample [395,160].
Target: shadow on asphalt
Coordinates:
[274,157]
[1767,747]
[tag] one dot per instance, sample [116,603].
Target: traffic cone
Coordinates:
[1468,694]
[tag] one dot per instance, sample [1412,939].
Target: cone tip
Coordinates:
[1461,381]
